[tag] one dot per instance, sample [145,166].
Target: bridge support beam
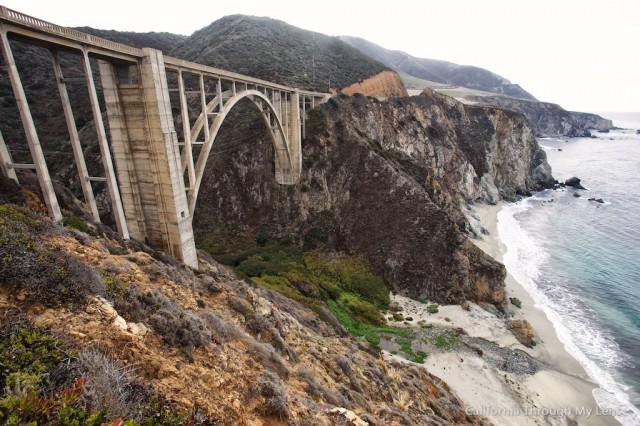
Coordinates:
[295,134]
[147,156]
[46,185]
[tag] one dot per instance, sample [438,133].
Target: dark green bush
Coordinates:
[75,222]
[28,349]
[314,238]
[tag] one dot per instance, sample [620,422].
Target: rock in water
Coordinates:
[574,182]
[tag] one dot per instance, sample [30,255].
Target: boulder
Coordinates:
[575,194]
[522,330]
[597,200]
[574,182]
[346,417]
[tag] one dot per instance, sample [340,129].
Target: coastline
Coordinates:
[558,392]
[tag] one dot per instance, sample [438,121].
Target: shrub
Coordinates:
[50,274]
[75,222]
[447,340]
[240,305]
[180,328]
[315,388]
[261,239]
[361,309]
[108,385]
[433,308]
[28,350]
[271,388]
[316,124]
[314,237]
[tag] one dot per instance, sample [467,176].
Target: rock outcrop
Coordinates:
[387,180]
[549,119]
[385,84]
[522,330]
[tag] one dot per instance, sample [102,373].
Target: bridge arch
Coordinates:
[285,161]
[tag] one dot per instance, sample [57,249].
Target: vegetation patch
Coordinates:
[432,309]
[75,222]
[49,274]
[447,340]
[44,381]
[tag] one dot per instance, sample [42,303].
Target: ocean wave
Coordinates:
[586,341]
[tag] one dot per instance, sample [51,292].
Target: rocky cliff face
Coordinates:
[386,180]
[549,119]
[385,84]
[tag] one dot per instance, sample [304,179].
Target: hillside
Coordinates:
[163,41]
[276,51]
[95,329]
[437,71]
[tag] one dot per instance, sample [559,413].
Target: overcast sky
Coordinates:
[582,54]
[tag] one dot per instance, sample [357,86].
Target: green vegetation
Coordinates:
[75,222]
[43,381]
[344,284]
[433,308]
[447,340]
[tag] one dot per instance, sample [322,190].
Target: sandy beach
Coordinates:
[556,392]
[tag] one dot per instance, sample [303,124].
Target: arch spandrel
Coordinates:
[283,159]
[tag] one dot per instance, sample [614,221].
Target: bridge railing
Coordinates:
[47,27]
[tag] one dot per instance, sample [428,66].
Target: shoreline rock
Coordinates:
[574,182]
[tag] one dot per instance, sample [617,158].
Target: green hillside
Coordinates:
[273,50]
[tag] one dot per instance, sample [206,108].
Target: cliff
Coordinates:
[386,180]
[385,84]
[549,119]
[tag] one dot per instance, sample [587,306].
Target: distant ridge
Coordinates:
[440,71]
[276,51]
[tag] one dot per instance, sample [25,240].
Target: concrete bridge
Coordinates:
[155,174]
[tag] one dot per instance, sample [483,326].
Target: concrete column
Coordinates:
[115,96]
[295,135]
[75,139]
[186,129]
[148,158]
[174,217]
[112,184]
[44,179]
[6,161]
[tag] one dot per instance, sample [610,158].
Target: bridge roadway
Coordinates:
[153,186]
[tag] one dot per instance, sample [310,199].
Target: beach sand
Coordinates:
[558,393]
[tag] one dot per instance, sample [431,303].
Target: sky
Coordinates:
[581,54]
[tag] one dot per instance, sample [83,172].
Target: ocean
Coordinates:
[580,259]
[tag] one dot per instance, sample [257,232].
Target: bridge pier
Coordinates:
[147,155]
